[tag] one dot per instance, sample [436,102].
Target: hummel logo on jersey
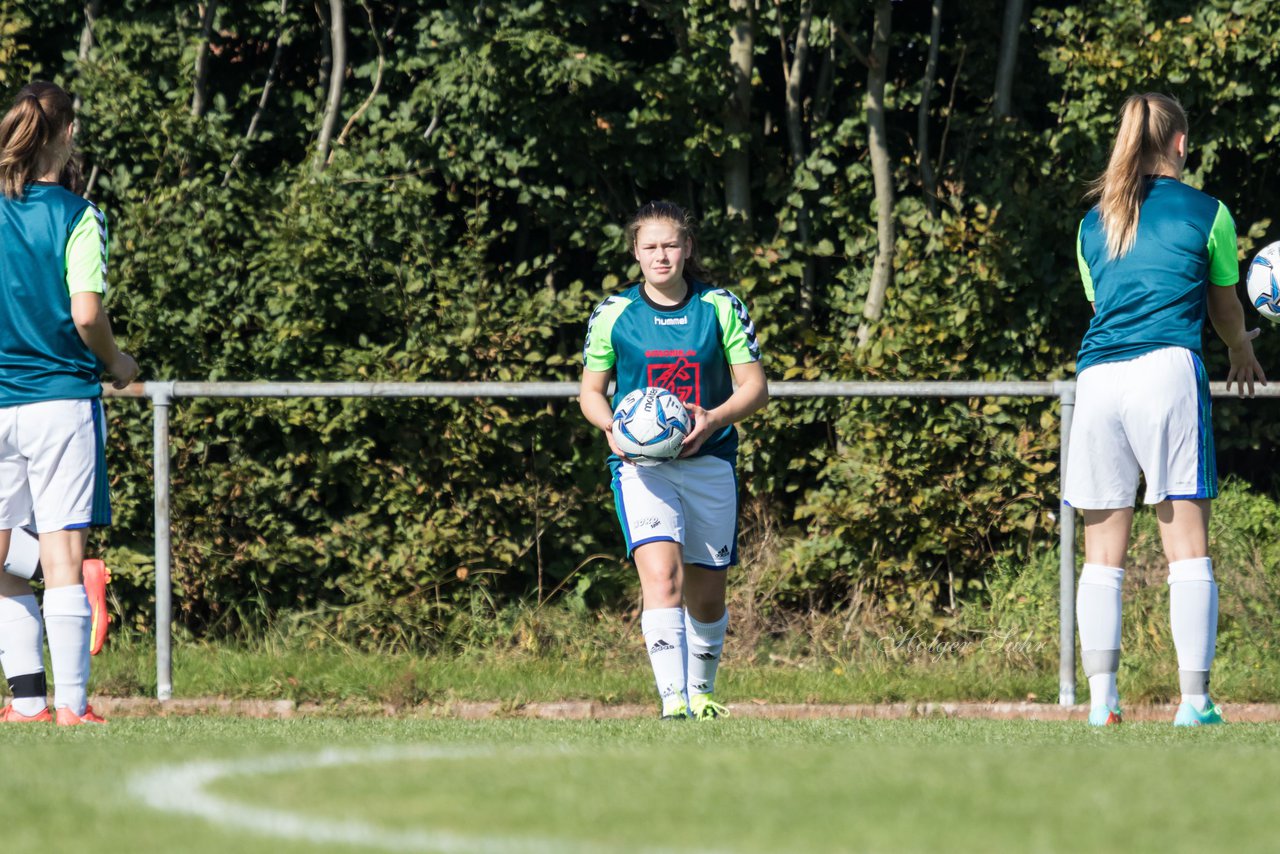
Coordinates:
[660,646]
[671,321]
[705,656]
[724,552]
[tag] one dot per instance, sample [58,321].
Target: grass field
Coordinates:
[733,785]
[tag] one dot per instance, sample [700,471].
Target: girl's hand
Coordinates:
[1244,365]
[704,426]
[124,370]
[613,446]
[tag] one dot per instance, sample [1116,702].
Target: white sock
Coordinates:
[1193,616]
[1098,615]
[664,639]
[66,621]
[22,653]
[706,640]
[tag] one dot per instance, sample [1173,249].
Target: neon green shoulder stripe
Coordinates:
[597,352]
[1085,275]
[86,258]
[737,331]
[1224,265]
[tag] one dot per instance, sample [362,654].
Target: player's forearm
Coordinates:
[595,406]
[1227,316]
[746,400]
[95,331]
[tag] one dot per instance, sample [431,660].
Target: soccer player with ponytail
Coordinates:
[1156,257]
[55,343]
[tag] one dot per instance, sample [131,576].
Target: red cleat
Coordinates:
[96,579]
[10,715]
[66,717]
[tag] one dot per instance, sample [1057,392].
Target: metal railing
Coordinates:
[163,394]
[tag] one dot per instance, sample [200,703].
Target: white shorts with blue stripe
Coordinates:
[53,467]
[1150,415]
[693,502]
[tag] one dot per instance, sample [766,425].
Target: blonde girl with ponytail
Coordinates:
[55,344]
[1157,258]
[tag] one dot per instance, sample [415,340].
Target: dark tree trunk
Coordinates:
[1003,103]
[199,100]
[928,183]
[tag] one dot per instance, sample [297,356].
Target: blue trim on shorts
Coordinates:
[616,485]
[737,520]
[662,538]
[101,511]
[1207,463]
[77,526]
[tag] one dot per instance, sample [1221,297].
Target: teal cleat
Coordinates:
[1103,716]
[703,707]
[1189,715]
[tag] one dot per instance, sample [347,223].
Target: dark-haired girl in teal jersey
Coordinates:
[1156,257]
[55,343]
[679,519]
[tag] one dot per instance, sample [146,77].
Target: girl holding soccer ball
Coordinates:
[679,519]
[55,343]
[1156,256]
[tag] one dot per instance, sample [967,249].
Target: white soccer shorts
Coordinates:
[1150,415]
[53,465]
[693,502]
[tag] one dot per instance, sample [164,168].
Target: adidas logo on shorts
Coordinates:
[724,552]
[660,646]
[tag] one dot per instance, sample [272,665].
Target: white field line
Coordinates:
[182,788]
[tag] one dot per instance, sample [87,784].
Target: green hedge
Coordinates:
[471,217]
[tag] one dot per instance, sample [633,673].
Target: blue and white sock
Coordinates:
[706,641]
[22,653]
[67,623]
[1193,616]
[1098,615]
[664,639]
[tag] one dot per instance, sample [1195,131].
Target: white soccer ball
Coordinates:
[1263,282]
[650,424]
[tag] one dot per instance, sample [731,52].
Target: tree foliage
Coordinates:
[470,215]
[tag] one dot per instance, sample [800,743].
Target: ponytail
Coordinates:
[1148,123]
[30,135]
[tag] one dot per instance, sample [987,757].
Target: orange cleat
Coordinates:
[96,579]
[66,717]
[10,715]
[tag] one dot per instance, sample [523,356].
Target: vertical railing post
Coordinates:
[161,395]
[1067,560]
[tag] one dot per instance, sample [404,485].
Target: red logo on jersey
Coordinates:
[680,377]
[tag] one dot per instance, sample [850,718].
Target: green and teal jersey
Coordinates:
[53,244]
[687,349]
[1155,296]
